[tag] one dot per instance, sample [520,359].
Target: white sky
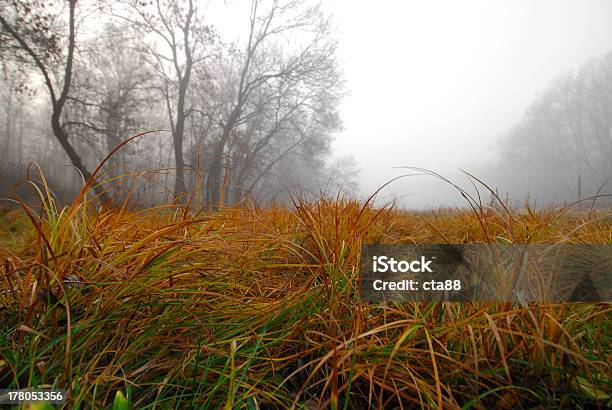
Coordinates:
[436,83]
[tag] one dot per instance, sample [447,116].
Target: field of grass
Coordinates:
[259,308]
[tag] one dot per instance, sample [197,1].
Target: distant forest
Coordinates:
[562,149]
[247,120]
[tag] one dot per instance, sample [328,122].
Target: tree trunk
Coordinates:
[62,137]
[177,139]
[179,133]
[214,175]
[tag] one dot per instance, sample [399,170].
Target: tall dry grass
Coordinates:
[259,308]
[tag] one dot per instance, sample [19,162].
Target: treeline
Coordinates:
[562,149]
[244,120]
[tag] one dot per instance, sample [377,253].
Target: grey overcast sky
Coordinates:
[436,83]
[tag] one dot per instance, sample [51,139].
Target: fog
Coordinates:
[478,86]
[438,84]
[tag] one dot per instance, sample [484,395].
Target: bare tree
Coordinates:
[110,91]
[31,27]
[284,86]
[177,45]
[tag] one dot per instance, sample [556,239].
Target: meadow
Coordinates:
[176,307]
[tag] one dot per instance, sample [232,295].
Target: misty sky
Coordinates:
[435,84]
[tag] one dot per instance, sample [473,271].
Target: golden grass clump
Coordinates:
[259,308]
